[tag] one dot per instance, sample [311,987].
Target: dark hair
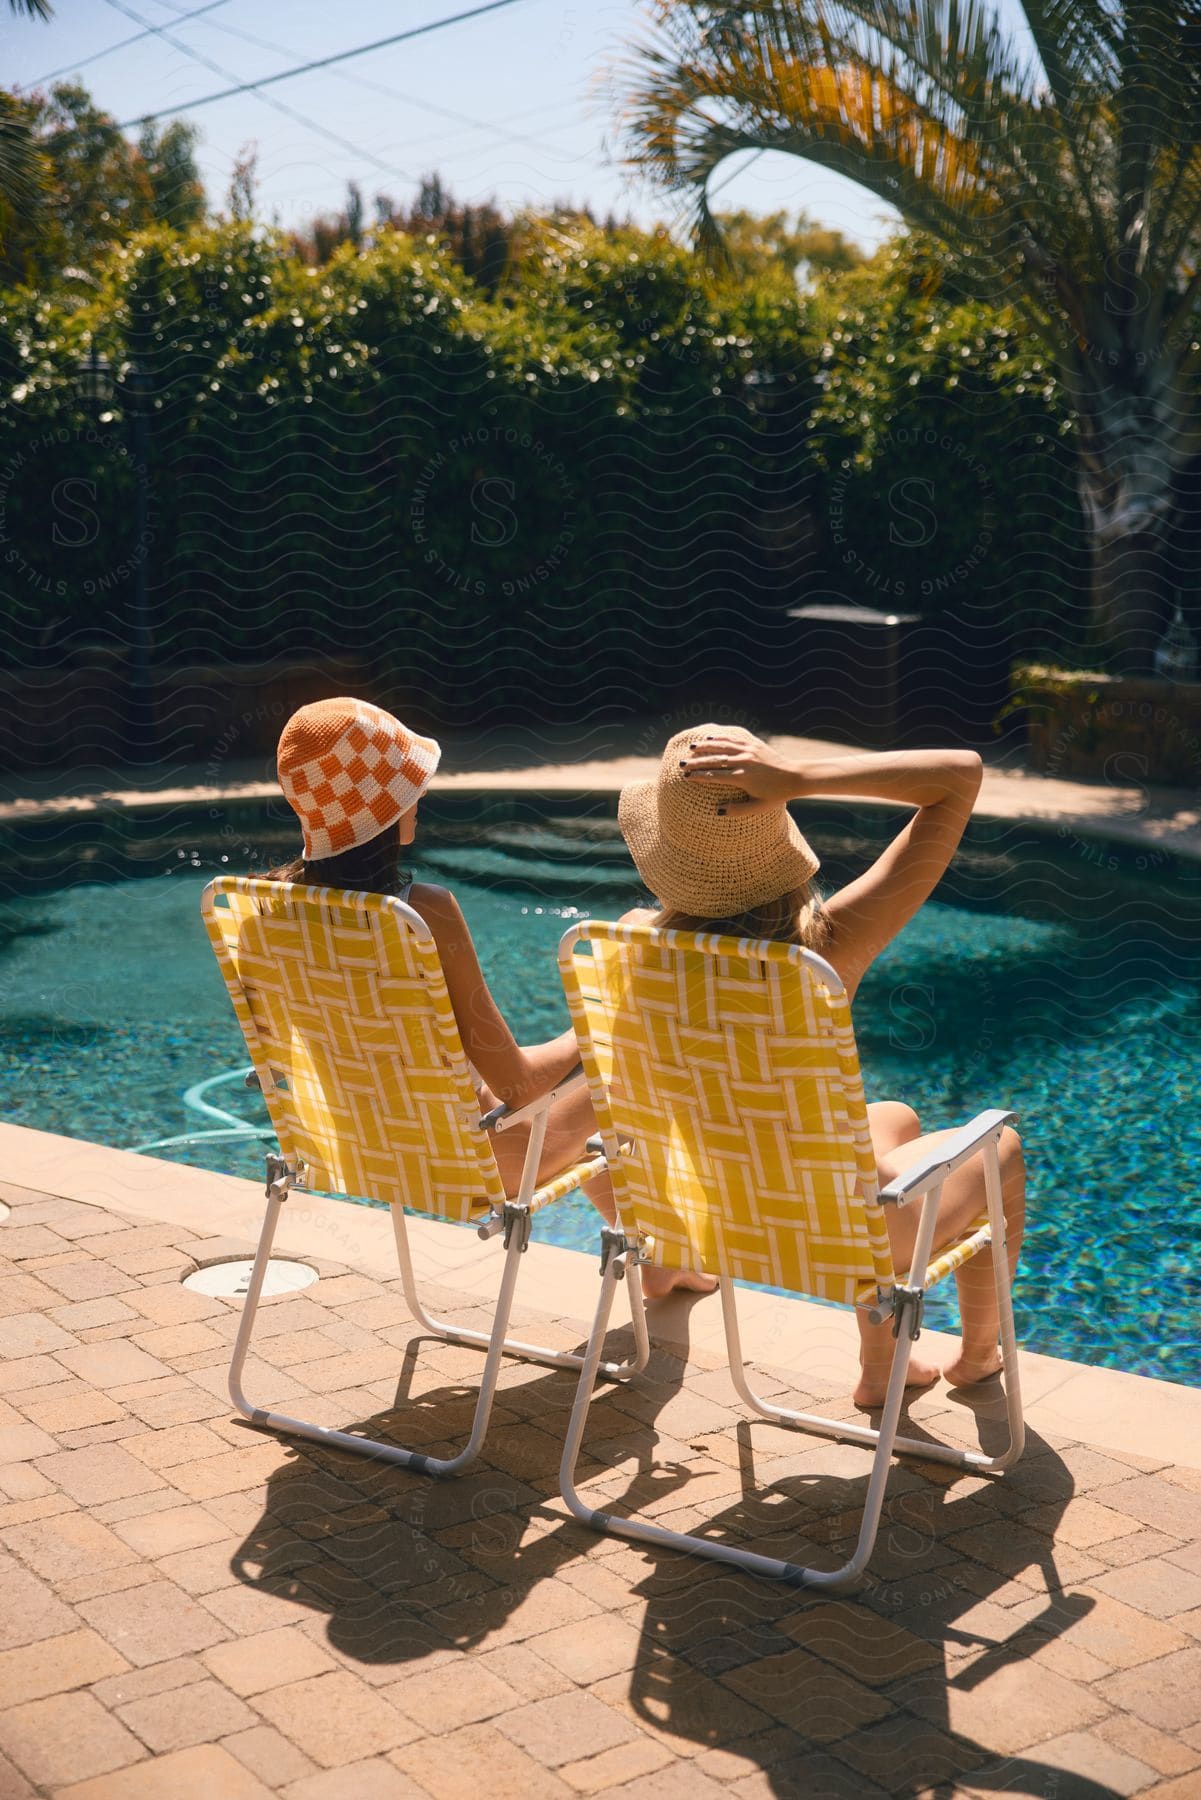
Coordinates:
[797,917]
[370,868]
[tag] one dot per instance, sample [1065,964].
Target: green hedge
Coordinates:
[943,444]
[596,490]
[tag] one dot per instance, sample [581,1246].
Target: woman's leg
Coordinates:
[980,1355]
[656,1283]
[892,1125]
[572,1123]
[963,1202]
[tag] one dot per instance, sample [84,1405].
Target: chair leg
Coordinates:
[833,1580]
[1004,1289]
[884,1441]
[345,1440]
[541,1353]
[817,1423]
[840,1429]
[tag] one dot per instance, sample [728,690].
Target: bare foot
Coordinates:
[872,1385]
[658,1283]
[967,1369]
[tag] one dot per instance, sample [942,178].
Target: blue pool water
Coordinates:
[1046,976]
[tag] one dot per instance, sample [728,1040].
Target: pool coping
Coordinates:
[1162,820]
[1107,1408]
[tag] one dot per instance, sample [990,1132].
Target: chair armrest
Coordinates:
[939,1163]
[502,1117]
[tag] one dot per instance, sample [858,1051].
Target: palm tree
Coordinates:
[19,165]
[1063,175]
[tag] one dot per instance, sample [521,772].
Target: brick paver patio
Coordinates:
[193,1610]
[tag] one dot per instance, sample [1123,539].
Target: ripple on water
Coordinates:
[1087,1023]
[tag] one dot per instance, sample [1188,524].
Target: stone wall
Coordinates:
[1111,727]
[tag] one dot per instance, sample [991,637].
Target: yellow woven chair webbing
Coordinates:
[346,1005]
[732,1070]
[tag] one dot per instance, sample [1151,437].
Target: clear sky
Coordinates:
[515,105]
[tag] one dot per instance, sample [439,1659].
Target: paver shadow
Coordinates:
[863,1695]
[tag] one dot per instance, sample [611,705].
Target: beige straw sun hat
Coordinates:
[697,863]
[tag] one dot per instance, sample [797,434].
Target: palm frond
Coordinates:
[1140,124]
[1183,245]
[1069,179]
[1042,121]
[1077,45]
[855,86]
[967,68]
[20,159]
[1158,111]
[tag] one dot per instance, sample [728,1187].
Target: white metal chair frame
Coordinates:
[285,1176]
[622,1254]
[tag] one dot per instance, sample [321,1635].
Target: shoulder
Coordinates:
[428,900]
[440,910]
[452,936]
[639,915]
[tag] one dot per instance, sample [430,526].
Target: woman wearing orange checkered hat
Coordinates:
[354,775]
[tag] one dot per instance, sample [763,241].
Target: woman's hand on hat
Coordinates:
[766,777]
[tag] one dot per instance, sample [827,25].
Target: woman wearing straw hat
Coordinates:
[354,775]
[714,842]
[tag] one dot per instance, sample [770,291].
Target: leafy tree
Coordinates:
[19,168]
[480,238]
[504,503]
[177,195]
[242,193]
[18,153]
[488,245]
[94,187]
[619,458]
[764,247]
[354,214]
[943,441]
[325,233]
[1063,178]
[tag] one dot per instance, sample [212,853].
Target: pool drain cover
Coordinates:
[231,1280]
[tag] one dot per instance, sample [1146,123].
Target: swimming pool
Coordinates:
[1049,975]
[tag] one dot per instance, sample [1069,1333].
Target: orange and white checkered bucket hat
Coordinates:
[349,770]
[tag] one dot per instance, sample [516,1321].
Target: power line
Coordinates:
[182,17]
[324,62]
[498,131]
[557,107]
[280,106]
[74,68]
[734,174]
[379,87]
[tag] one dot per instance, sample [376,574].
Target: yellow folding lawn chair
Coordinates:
[724,1075]
[346,1016]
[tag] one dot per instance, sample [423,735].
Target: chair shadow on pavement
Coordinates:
[882,1692]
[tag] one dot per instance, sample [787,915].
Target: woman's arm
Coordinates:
[515,1074]
[915,777]
[869,912]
